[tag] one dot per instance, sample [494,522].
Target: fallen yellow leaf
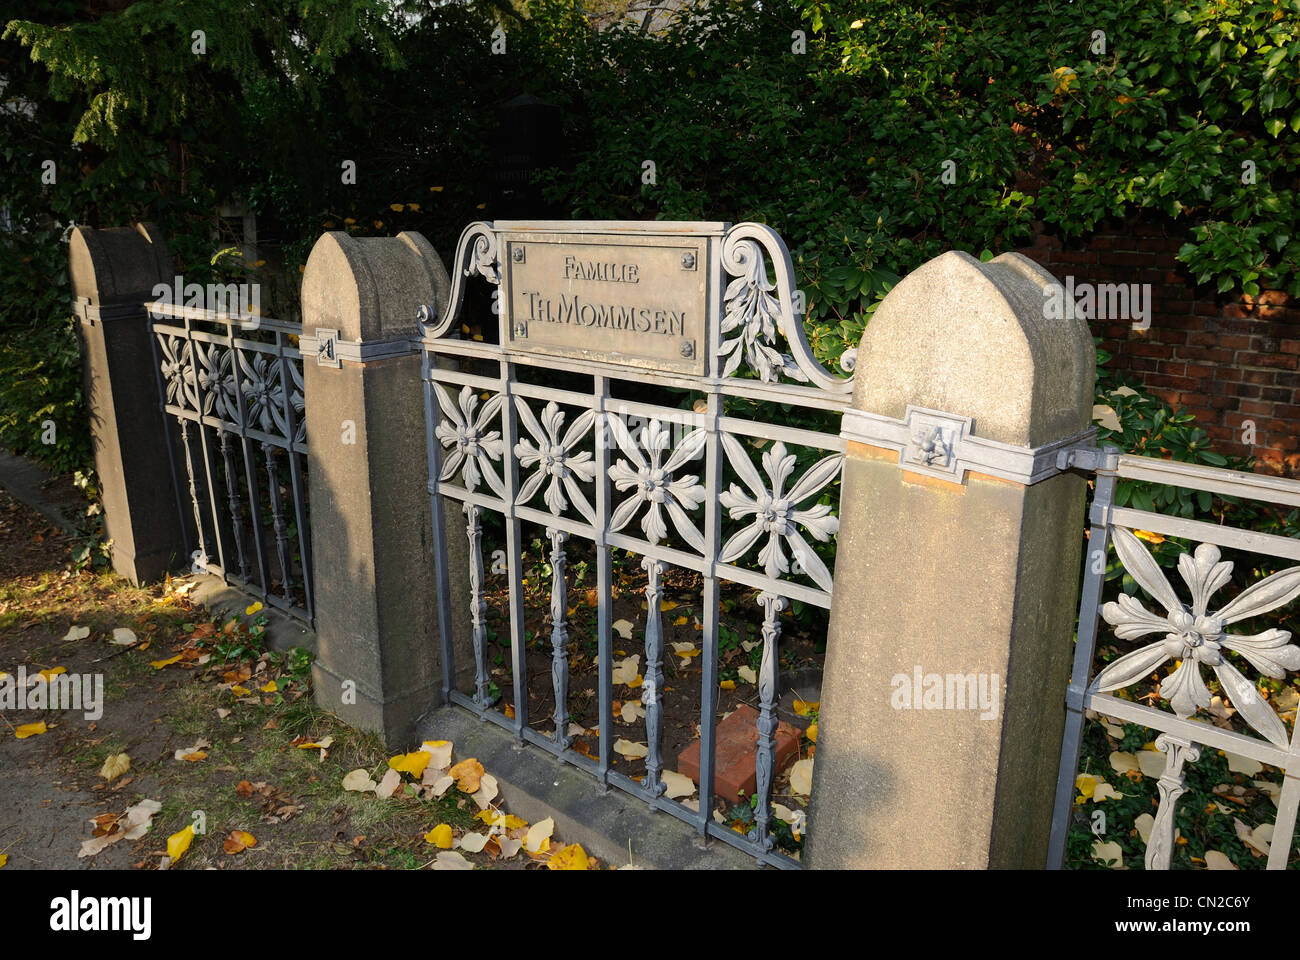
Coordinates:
[178,843]
[30,730]
[239,691]
[440,836]
[253,608]
[269,687]
[494,817]
[52,673]
[159,664]
[4,858]
[412,763]
[572,857]
[811,732]
[805,708]
[115,766]
[467,773]
[728,684]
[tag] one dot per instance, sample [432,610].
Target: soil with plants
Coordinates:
[801,655]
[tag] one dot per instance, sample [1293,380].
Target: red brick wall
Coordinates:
[1228,359]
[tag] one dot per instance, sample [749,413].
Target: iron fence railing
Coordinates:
[1160,626]
[679,479]
[234,387]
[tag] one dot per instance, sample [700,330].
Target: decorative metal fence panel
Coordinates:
[707,478]
[1163,627]
[235,390]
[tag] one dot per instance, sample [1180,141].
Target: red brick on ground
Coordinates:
[737,746]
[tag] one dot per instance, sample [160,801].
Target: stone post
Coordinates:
[113,273]
[378,661]
[956,575]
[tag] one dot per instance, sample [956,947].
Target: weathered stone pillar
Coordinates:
[113,274]
[378,655]
[956,575]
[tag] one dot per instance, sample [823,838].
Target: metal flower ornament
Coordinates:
[177,359]
[1197,637]
[554,458]
[776,512]
[651,480]
[465,432]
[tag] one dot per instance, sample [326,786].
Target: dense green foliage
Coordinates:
[872,135]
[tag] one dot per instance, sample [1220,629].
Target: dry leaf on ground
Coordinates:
[538,834]
[389,784]
[358,781]
[801,777]
[115,766]
[238,842]
[439,752]
[467,775]
[451,860]
[679,785]
[30,730]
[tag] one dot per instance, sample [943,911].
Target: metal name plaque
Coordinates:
[640,301]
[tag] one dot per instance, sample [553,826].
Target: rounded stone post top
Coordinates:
[370,288]
[119,264]
[973,339]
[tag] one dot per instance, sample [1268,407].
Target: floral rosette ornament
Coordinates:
[1196,637]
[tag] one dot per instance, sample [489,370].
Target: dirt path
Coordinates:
[187,680]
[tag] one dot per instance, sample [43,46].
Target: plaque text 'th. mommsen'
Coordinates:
[574,309]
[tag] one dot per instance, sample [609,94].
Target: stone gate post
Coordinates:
[956,575]
[378,661]
[113,273]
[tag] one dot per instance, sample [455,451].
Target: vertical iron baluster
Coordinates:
[514,548]
[209,477]
[170,439]
[652,686]
[764,759]
[438,526]
[559,636]
[604,582]
[277,521]
[709,626]
[1172,785]
[238,366]
[297,467]
[194,494]
[477,605]
[232,493]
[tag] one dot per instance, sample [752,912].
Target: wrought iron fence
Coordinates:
[234,386]
[681,480]
[1196,636]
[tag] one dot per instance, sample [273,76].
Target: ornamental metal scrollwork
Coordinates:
[476,256]
[755,316]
